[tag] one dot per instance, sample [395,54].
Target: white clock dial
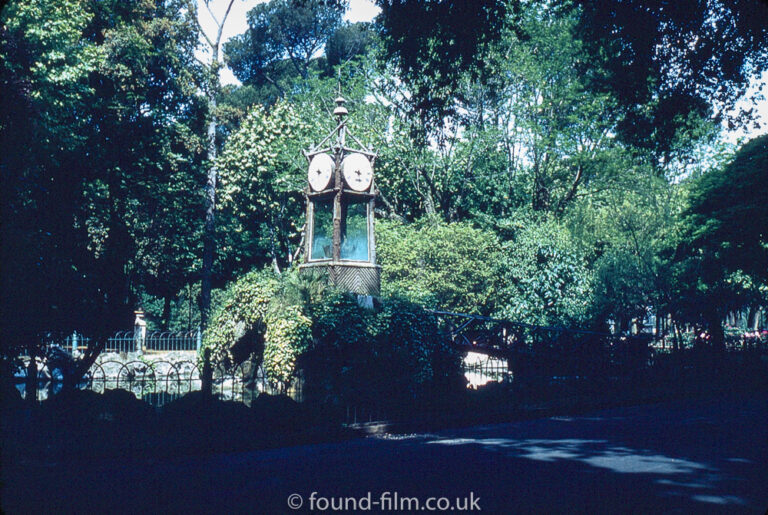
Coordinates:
[320,171]
[357,171]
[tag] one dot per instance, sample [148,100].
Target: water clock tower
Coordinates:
[341,194]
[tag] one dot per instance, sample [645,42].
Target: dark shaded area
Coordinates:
[669,62]
[434,42]
[80,426]
[79,160]
[693,457]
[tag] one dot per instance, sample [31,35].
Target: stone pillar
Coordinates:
[139,331]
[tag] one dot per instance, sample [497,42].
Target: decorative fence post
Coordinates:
[74,344]
[207,380]
[139,331]
[199,339]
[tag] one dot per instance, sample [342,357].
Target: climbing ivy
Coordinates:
[262,171]
[288,335]
[345,351]
[243,308]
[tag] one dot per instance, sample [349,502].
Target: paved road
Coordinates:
[701,457]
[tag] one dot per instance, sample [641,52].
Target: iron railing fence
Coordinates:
[495,351]
[170,341]
[134,341]
[158,382]
[541,351]
[733,342]
[480,369]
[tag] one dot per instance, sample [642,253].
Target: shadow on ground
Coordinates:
[705,456]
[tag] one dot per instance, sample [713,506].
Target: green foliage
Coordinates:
[344,350]
[556,131]
[261,172]
[99,154]
[287,337]
[589,114]
[43,43]
[409,342]
[386,358]
[433,43]
[250,319]
[44,67]
[338,320]
[349,40]
[546,277]
[282,39]
[628,234]
[622,286]
[445,266]
[728,215]
[243,307]
[721,260]
[671,64]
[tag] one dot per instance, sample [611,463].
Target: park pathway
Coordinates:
[707,456]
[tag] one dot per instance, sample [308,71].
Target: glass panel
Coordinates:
[354,235]
[322,230]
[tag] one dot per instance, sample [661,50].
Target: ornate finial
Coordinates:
[340,109]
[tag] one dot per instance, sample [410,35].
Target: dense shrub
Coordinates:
[384,359]
[243,308]
[545,275]
[452,267]
[287,336]
[388,355]
[250,321]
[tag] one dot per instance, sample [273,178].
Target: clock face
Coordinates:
[357,171]
[320,171]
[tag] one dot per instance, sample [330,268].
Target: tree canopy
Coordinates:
[555,162]
[668,64]
[99,156]
[728,216]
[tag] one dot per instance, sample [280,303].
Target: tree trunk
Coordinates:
[206,385]
[750,318]
[676,333]
[166,317]
[213,90]
[84,364]
[189,307]
[658,326]
[715,328]
[209,236]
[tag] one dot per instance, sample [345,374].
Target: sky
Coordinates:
[366,10]
[762,110]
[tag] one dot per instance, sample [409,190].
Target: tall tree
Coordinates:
[556,132]
[348,41]
[723,254]
[282,40]
[670,64]
[434,42]
[147,120]
[728,214]
[212,90]
[262,173]
[47,284]
[104,105]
